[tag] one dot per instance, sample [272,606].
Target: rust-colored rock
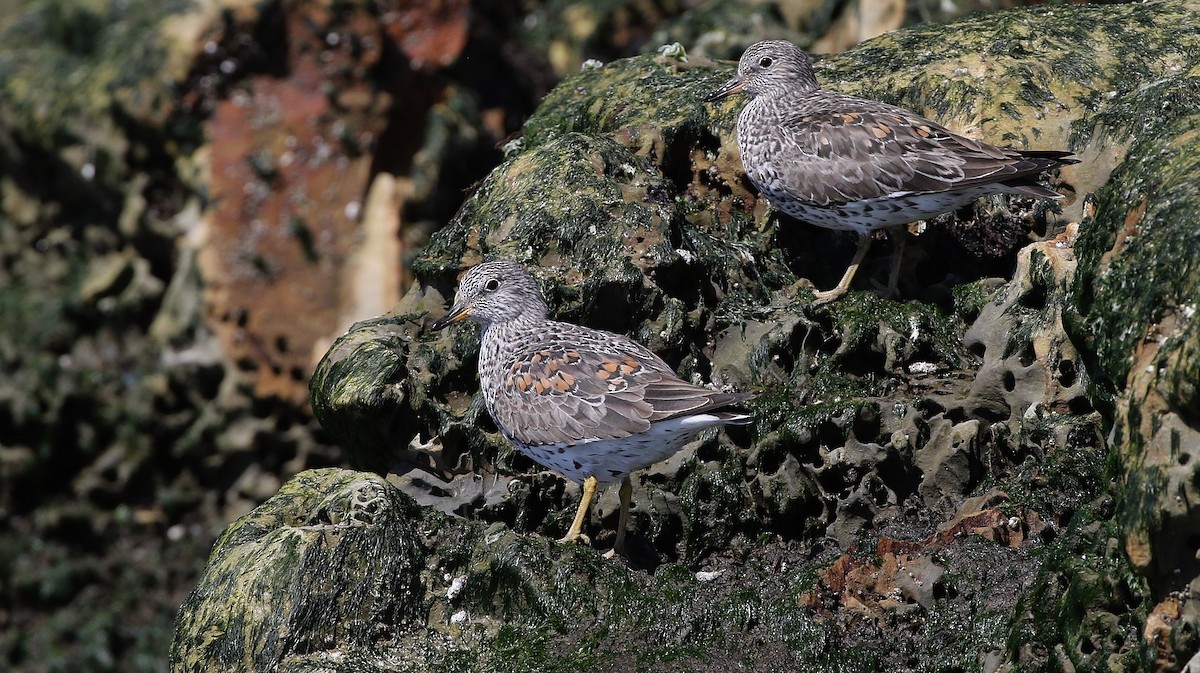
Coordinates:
[289,169]
[431,33]
[1158,632]
[904,577]
[902,573]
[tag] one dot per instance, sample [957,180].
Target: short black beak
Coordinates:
[735,85]
[456,313]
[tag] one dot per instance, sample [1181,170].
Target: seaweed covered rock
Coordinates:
[332,561]
[176,237]
[342,572]
[626,197]
[901,451]
[1137,297]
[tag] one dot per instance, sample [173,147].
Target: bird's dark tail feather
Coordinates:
[1038,161]
[1063,156]
[734,417]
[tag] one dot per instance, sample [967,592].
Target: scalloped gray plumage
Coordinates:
[852,164]
[593,405]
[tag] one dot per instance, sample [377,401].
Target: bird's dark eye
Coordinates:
[492,285]
[765,62]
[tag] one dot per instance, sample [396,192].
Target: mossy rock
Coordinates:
[330,562]
[1136,302]
[877,420]
[342,572]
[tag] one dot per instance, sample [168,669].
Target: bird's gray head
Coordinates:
[769,67]
[495,292]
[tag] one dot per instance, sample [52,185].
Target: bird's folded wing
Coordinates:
[593,389]
[855,149]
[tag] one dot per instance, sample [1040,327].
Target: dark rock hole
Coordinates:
[930,407]
[1010,382]
[977,348]
[1066,373]
[866,423]
[810,455]
[677,160]
[830,434]
[864,363]
[992,414]
[1079,405]
[1028,357]
[683,281]
[1034,299]
[770,461]
[790,523]
[900,475]
[739,434]
[207,381]
[708,452]
[612,307]
[485,422]
[784,360]
[264,407]
[956,415]
[1064,515]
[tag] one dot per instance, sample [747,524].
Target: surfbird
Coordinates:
[851,164]
[592,405]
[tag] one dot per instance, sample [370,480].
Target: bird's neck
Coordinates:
[796,92]
[502,339]
[499,344]
[781,103]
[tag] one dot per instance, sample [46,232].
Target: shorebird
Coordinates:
[852,164]
[592,405]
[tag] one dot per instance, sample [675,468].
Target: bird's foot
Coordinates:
[577,538]
[828,295]
[617,550]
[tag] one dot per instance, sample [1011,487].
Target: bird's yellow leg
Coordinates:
[843,286]
[623,522]
[899,236]
[576,531]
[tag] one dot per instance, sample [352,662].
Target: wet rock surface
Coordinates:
[487,597]
[992,474]
[179,245]
[940,466]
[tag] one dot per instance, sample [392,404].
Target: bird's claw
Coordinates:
[578,538]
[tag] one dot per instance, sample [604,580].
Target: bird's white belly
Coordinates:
[611,460]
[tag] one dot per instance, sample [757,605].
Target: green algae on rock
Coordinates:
[331,562]
[877,420]
[341,571]
[1136,317]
